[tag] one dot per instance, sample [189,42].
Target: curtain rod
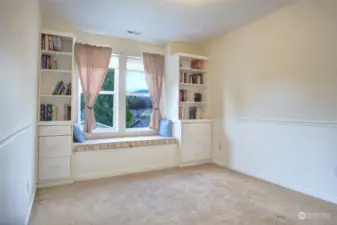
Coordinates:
[109,46]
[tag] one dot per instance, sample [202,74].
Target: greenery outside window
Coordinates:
[124,101]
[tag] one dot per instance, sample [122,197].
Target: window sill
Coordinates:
[109,133]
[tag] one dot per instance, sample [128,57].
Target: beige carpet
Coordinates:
[201,195]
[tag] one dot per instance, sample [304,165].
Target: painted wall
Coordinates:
[274,97]
[191,48]
[18,81]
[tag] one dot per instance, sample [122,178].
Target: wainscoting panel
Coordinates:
[298,155]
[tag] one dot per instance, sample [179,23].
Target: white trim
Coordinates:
[195,163]
[55,182]
[289,121]
[221,164]
[127,133]
[190,56]
[31,204]
[57,33]
[106,175]
[14,135]
[193,121]
[107,92]
[137,94]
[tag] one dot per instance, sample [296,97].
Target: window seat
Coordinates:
[127,142]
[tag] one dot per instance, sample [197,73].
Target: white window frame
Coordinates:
[119,120]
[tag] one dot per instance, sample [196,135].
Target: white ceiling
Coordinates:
[160,21]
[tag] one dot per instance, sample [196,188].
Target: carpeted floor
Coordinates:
[200,195]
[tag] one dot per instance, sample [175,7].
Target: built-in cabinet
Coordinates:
[56,102]
[186,102]
[195,141]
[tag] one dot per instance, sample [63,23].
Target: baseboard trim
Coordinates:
[307,192]
[30,207]
[219,163]
[52,183]
[126,172]
[195,163]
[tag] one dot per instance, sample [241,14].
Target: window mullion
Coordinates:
[121,106]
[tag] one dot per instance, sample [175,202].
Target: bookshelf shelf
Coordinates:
[56,96]
[56,71]
[56,78]
[193,103]
[187,81]
[190,70]
[182,85]
[54,53]
[55,123]
[187,56]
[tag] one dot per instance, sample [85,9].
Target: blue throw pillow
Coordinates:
[165,127]
[78,134]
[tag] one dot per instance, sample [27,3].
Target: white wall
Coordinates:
[19,23]
[274,97]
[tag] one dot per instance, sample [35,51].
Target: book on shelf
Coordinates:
[191,113]
[47,62]
[197,64]
[54,113]
[191,78]
[67,112]
[68,91]
[195,113]
[185,96]
[61,88]
[51,42]
[42,112]
[48,112]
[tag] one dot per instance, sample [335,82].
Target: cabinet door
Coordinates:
[54,168]
[196,148]
[55,146]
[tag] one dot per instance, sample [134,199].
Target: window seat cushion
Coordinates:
[127,142]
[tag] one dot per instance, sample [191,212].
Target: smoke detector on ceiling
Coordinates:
[134,32]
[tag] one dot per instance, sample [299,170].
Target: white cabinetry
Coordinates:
[55,155]
[55,117]
[195,141]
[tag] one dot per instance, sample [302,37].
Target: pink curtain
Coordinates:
[92,62]
[154,69]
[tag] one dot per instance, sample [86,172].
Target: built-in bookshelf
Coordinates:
[56,78]
[187,77]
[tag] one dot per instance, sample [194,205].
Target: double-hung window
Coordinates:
[123,103]
[138,103]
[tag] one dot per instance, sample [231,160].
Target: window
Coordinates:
[104,107]
[138,103]
[123,103]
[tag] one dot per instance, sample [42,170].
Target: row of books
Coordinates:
[185,96]
[47,62]
[197,64]
[61,88]
[191,78]
[194,64]
[51,42]
[48,112]
[192,113]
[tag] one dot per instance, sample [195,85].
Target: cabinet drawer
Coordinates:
[196,128]
[54,130]
[55,146]
[196,148]
[54,168]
